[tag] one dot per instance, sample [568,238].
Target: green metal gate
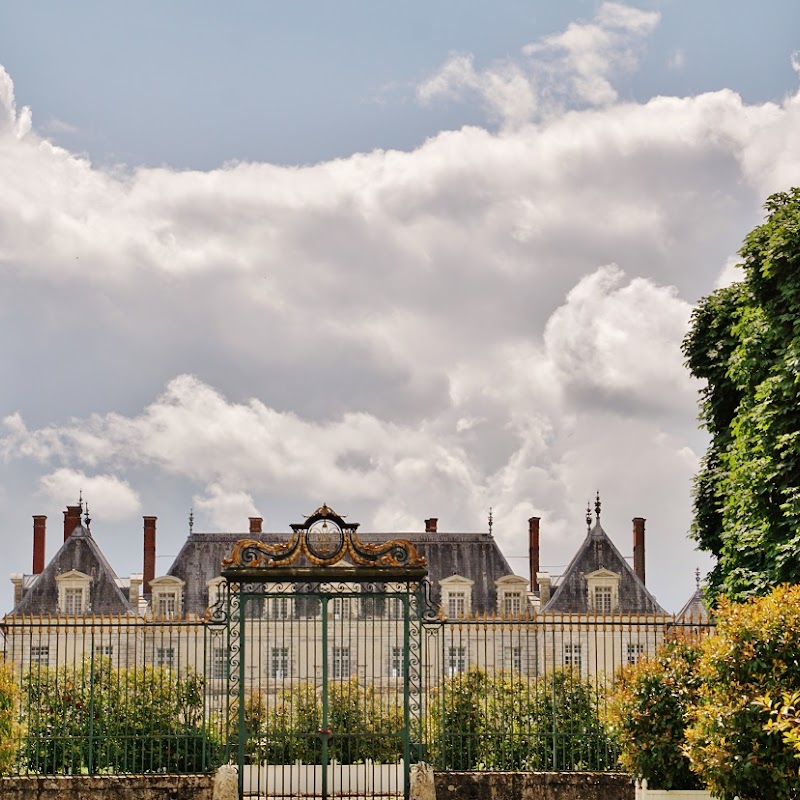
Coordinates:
[323,678]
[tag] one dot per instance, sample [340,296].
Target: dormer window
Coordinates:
[602,599]
[73,602]
[73,593]
[603,591]
[166,601]
[456,596]
[512,595]
[167,605]
[456,604]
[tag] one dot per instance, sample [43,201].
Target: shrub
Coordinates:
[511,722]
[9,716]
[755,652]
[785,717]
[647,716]
[93,718]
[364,725]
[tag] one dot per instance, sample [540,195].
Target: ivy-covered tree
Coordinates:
[744,342]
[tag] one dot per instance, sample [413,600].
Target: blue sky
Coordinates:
[196,84]
[410,260]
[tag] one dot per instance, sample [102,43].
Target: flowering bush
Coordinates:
[647,716]
[9,726]
[755,653]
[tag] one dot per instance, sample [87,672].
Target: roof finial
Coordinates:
[588,517]
[597,506]
[491,520]
[80,499]
[697,577]
[191,520]
[86,518]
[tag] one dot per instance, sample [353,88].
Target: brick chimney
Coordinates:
[149,566]
[39,522]
[430,524]
[255,524]
[638,547]
[72,518]
[533,551]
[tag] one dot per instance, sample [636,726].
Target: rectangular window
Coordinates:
[635,652]
[104,650]
[456,604]
[167,605]
[572,656]
[280,608]
[512,604]
[40,655]
[279,663]
[602,599]
[341,607]
[515,658]
[456,660]
[397,665]
[341,662]
[219,660]
[395,605]
[73,601]
[165,657]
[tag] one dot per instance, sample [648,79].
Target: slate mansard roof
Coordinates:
[80,553]
[472,555]
[597,553]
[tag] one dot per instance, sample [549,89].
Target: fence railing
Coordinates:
[119,695]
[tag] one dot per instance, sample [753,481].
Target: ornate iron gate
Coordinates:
[323,677]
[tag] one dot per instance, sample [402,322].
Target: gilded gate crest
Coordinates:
[324,540]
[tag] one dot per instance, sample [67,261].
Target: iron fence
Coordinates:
[359,676]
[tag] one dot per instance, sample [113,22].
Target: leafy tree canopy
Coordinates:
[744,341]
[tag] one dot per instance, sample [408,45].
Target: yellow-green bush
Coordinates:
[647,716]
[9,725]
[755,652]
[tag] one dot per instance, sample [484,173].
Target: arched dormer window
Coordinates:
[166,600]
[456,596]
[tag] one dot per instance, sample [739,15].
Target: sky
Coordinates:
[411,260]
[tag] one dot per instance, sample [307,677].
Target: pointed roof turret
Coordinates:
[595,554]
[79,553]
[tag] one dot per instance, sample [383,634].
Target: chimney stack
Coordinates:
[533,551]
[638,547]
[39,521]
[430,524]
[149,566]
[72,518]
[255,524]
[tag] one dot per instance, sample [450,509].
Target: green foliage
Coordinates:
[93,718]
[647,715]
[755,652]
[784,717]
[509,722]
[745,342]
[9,714]
[364,725]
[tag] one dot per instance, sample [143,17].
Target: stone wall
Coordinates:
[449,786]
[533,786]
[108,787]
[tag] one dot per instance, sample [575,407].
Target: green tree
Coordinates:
[744,341]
